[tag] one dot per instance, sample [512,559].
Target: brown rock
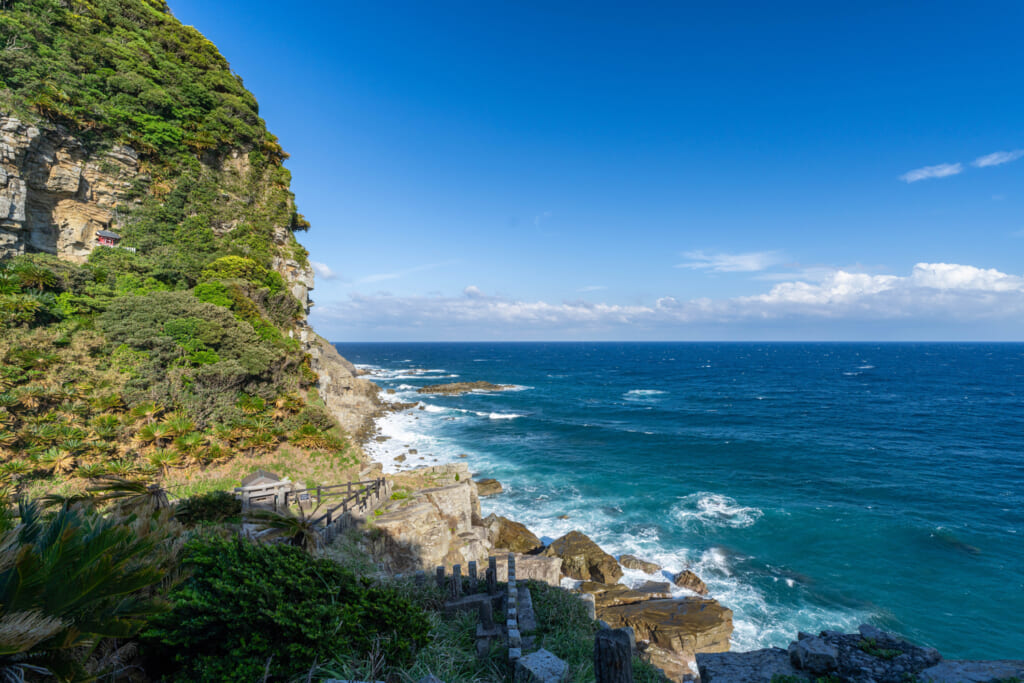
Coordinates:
[685,626]
[461,388]
[689,580]
[583,559]
[400,458]
[608,595]
[634,562]
[488,487]
[510,535]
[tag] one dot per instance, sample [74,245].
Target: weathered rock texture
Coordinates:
[353,401]
[609,595]
[488,487]
[687,579]
[634,562]
[583,559]
[510,535]
[685,626]
[869,656]
[54,194]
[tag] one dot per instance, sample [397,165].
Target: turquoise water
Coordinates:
[812,486]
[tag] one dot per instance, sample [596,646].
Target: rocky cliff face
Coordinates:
[54,194]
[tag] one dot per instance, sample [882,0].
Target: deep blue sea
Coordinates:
[812,486]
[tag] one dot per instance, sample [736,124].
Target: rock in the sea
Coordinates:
[686,626]
[758,666]
[690,581]
[488,487]
[583,559]
[400,458]
[462,388]
[634,562]
[510,535]
[814,655]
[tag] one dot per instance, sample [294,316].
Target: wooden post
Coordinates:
[419,578]
[318,495]
[613,657]
[492,581]
[456,586]
[486,614]
[472,576]
[440,577]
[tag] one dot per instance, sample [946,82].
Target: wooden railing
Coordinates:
[354,496]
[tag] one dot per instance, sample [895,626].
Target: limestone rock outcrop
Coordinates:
[509,535]
[609,595]
[352,400]
[583,559]
[55,195]
[685,626]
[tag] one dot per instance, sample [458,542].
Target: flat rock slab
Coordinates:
[609,595]
[744,667]
[685,626]
[540,667]
[964,671]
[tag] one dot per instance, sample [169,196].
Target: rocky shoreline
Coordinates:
[434,519]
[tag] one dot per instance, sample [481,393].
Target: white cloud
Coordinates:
[997,158]
[945,292]
[323,271]
[747,262]
[938,171]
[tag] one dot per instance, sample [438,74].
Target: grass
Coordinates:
[870,646]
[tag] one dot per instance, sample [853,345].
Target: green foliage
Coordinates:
[215,506]
[128,69]
[245,600]
[870,646]
[70,579]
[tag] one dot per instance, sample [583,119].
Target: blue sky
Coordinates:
[671,170]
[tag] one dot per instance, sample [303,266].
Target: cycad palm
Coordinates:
[68,581]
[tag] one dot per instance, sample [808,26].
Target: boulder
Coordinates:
[540,667]
[488,487]
[814,655]
[455,504]
[685,626]
[758,666]
[634,562]
[690,581]
[531,567]
[583,559]
[510,535]
[412,537]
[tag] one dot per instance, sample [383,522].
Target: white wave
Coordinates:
[500,416]
[714,509]
[865,367]
[433,409]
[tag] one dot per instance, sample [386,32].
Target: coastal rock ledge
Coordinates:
[456,388]
[869,656]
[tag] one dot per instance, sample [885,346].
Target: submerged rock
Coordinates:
[583,559]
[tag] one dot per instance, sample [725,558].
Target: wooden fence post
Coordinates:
[613,657]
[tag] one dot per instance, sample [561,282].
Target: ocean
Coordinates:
[812,486]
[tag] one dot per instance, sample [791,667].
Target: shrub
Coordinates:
[215,506]
[245,603]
